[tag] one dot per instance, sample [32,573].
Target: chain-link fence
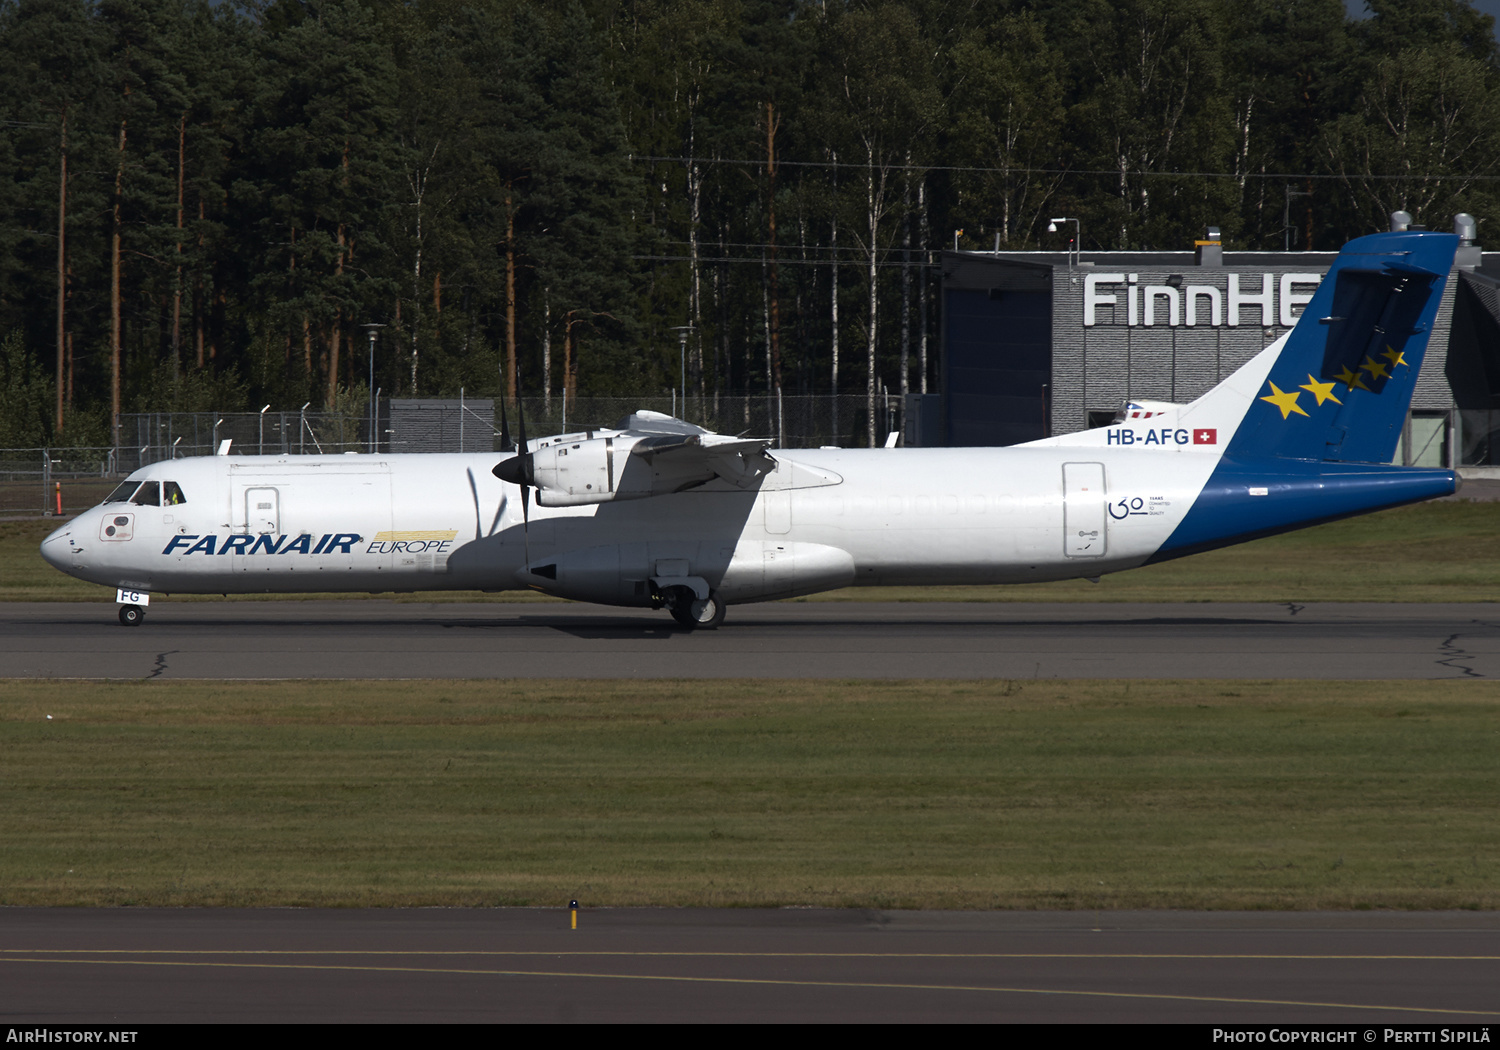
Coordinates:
[52,481]
[149,437]
[788,421]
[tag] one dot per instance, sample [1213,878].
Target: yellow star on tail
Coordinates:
[1350,379]
[1375,368]
[1321,391]
[1394,356]
[1286,400]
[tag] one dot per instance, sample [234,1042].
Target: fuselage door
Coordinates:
[1083,510]
[263,512]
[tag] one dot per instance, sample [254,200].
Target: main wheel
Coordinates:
[698,614]
[132,615]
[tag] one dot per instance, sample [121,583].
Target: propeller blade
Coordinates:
[526,468]
[518,469]
[521,408]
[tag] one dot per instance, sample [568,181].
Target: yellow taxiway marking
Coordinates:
[14,955]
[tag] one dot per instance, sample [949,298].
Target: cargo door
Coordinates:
[256,526]
[263,511]
[315,518]
[1083,510]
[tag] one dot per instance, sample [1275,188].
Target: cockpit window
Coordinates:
[148,494]
[123,492]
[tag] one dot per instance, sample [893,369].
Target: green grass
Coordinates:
[1434,552]
[897,795]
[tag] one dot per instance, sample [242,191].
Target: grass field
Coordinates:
[1431,552]
[899,795]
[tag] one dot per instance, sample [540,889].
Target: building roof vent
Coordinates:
[1469,256]
[1400,221]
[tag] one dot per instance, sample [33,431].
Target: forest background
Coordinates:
[201,204]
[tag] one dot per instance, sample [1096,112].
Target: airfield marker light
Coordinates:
[573,909]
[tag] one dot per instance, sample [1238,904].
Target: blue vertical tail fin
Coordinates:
[1340,389]
[1317,436]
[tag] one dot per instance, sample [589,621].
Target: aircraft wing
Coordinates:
[701,457]
[649,454]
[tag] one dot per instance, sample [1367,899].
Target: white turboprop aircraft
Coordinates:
[660,513]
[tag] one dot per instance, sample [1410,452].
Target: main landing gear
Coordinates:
[694,613]
[132,615]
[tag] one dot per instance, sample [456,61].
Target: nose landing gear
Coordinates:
[696,614]
[132,606]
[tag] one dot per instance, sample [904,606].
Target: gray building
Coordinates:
[434,425]
[1040,343]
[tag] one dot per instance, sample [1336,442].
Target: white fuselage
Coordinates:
[823,518]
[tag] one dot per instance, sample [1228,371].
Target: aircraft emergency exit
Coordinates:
[658,513]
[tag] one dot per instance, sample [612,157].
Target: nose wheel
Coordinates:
[697,614]
[132,615]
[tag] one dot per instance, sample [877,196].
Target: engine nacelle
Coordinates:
[616,465]
[575,473]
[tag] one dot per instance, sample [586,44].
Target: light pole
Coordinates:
[1077,236]
[1287,229]
[682,337]
[373,329]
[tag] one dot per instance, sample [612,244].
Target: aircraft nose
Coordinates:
[57,549]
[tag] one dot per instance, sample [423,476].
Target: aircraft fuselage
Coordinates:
[823,518]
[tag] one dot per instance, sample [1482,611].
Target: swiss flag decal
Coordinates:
[1208,436]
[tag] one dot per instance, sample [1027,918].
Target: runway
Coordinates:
[146,966]
[391,640]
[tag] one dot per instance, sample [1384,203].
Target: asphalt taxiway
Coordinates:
[386,639]
[129,966]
